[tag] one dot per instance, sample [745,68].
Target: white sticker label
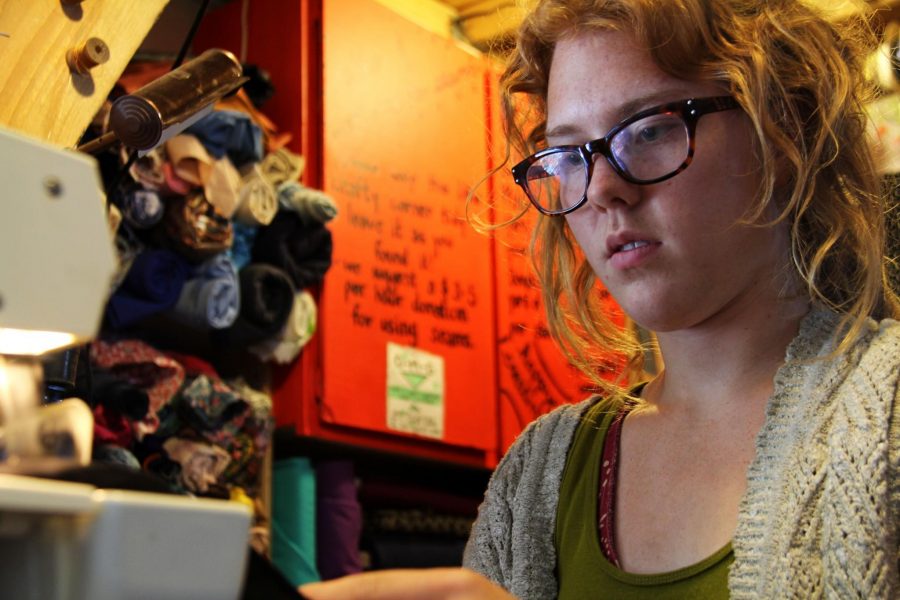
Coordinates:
[415,391]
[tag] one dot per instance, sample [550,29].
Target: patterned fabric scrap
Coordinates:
[212,408]
[195,228]
[145,367]
[201,464]
[217,413]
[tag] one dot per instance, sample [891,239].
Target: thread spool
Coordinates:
[88,55]
[140,119]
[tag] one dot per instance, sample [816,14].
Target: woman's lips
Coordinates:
[632,254]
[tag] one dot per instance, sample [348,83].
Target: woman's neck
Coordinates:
[730,358]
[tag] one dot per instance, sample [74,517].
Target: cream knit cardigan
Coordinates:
[820,514]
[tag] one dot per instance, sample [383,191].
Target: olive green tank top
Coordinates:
[582,569]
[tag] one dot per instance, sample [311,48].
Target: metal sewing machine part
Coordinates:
[168,105]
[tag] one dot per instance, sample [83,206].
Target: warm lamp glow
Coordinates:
[22,342]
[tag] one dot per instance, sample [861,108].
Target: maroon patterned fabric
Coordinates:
[145,367]
[608,475]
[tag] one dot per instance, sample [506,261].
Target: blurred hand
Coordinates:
[408,584]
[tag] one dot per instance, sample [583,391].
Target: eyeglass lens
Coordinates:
[645,150]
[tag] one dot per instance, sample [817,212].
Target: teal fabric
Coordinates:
[294,520]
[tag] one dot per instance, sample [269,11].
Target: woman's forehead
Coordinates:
[598,78]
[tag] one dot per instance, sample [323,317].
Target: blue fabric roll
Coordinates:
[267,298]
[142,208]
[211,297]
[294,520]
[241,250]
[152,285]
[231,133]
[309,203]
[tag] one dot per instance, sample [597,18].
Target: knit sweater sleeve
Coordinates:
[894,472]
[511,541]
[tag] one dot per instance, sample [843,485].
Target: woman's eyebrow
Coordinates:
[635,105]
[626,109]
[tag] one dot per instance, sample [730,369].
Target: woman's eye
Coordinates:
[570,160]
[652,130]
[649,134]
[656,132]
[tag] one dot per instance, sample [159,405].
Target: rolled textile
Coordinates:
[201,464]
[259,401]
[294,520]
[141,208]
[113,218]
[111,427]
[210,405]
[189,159]
[242,245]
[175,184]
[338,519]
[302,250]
[110,454]
[118,396]
[260,423]
[310,204]
[231,133]
[195,228]
[257,203]
[147,170]
[128,247]
[222,187]
[153,283]
[192,163]
[267,297]
[282,166]
[211,298]
[299,329]
[145,367]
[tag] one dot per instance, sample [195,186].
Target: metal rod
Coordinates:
[99,144]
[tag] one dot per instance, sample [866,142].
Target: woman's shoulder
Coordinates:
[566,417]
[876,354]
[821,331]
[558,423]
[545,442]
[885,337]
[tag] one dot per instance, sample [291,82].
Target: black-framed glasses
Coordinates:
[648,147]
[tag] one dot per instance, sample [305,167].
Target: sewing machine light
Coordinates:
[29,342]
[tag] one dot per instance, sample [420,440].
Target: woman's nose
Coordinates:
[607,189]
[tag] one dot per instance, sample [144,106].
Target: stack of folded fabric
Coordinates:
[173,415]
[219,235]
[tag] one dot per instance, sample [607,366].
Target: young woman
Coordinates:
[707,161]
